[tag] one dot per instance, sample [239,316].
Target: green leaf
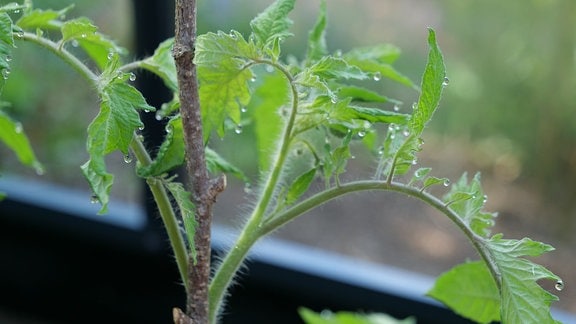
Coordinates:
[42,19]
[375,115]
[327,317]
[272,24]
[432,85]
[221,59]
[470,291]
[431,181]
[96,45]
[12,134]
[170,154]
[361,94]
[317,37]
[187,212]
[217,163]
[523,300]
[376,60]
[299,186]
[266,101]
[6,45]
[113,128]
[100,181]
[332,68]
[467,200]
[162,64]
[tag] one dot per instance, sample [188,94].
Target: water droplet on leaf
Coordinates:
[94,199]
[83,35]
[484,199]
[8,58]
[361,133]
[247,187]
[269,68]
[233,35]
[338,53]
[396,108]
[414,162]
[132,77]
[559,285]
[18,128]
[238,129]
[446,182]
[243,109]
[158,116]
[110,55]
[6,73]
[406,132]
[377,76]
[74,43]
[20,34]
[446,82]
[127,158]
[333,100]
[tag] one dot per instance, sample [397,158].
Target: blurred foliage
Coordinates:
[513,79]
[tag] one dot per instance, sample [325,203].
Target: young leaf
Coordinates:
[317,37]
[469,290]
[523,300]
[42,19]
[467,200]
[171,152]
[272,24]
[100,181]
[6,45]
[432,85]
[113,128]
[332,68]
[187,211]
[221,59]
[96,45]
[12,134]
[299,186]
[376,60]
[361,94]
[162,64]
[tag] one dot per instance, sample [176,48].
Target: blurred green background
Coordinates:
[509,110]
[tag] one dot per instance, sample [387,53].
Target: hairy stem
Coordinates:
[252,231]
[290,214]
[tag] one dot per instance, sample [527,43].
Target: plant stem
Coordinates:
[290,214]
[252,230]
[203,191]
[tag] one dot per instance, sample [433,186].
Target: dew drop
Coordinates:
[16,11]
[420,173]
[110,55]
[381,150]
[39,170]
[484,199]
[141,128]
[238,129]
[446,82]
[132,77]
[414,106]
[247,188]
[233,35]
[83,35]
[414,162]
[253,79]
[338,53]
[94,199]
[158,116]
[392,135]
[8,58]
[243,109]
[127,158]
[333,100]
[361,133]
[146,110]
[559,285]
[75,43]
[406,132]
[396,108]
[20,34]
[446,182]
[377,76]
[269,68]
[326,314]
[6,73]
[18,128]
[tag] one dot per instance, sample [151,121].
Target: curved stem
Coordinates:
[66,56]
[252,231]
[290,214]
[156,187]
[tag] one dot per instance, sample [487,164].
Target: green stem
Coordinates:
[251,231]
[156,187]
[290,214]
